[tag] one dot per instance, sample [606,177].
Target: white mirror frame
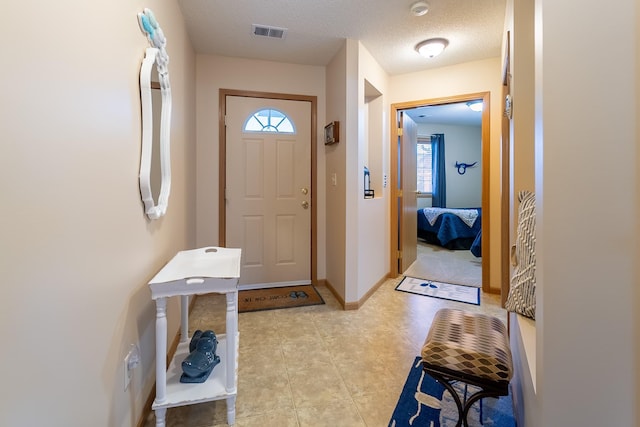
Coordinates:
[155,56]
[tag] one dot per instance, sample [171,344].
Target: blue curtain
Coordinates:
[438,173]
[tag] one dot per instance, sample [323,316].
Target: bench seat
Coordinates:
[472,348]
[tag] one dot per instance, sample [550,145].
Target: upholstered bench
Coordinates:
[472,348]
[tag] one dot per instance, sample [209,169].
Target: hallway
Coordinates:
[321,366]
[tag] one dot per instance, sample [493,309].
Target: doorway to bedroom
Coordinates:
[437,142]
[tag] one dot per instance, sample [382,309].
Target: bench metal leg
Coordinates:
[466,387]
[463,409]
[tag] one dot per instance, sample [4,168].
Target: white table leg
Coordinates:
[232,352]
[161,415]
[232,333]
[161,350]
[231,410]
[184,318]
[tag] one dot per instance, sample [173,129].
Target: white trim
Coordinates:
[273,285]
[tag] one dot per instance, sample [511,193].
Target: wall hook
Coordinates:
[462,167]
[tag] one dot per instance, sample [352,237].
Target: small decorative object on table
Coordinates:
[202,358]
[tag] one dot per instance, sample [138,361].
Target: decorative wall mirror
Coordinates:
[156,120]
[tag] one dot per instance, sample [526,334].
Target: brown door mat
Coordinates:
[274,298]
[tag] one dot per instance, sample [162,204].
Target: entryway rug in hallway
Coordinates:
[424,402]
[273,298]
[448,291]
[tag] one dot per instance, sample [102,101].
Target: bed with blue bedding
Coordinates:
[456,229]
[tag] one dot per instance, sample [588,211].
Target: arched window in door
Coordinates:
[269,120]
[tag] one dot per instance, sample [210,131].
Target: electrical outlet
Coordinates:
[131,360]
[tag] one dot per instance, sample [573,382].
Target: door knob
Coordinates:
[305,204]
[304,190]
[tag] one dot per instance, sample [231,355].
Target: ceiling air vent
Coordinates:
[267,31]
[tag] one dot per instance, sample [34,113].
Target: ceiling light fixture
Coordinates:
[419,8]
[432,47]
[475,105]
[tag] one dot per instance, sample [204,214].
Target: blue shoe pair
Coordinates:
[200,334]
[299,294]
[197,366]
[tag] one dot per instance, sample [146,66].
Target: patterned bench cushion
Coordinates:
[472,343]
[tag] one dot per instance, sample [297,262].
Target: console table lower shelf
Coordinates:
[214,388]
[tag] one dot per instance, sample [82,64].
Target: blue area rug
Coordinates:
[425,403]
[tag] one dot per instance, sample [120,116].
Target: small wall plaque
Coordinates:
[332,133]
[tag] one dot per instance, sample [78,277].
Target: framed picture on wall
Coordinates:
[331,133]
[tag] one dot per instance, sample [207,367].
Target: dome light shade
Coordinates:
[432,47]
[475,105]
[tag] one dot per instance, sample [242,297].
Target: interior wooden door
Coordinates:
[409,185]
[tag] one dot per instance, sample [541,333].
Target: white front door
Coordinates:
[268,193]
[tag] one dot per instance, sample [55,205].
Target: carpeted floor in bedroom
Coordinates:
[443,265]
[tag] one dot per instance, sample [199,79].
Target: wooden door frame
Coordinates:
[222,163]
[486,151]
[506,177]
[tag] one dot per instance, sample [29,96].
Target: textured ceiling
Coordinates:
[316,29]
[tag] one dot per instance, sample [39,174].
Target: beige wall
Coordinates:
[77,249]
[336,166]
[357,229]
[587,270]
[471,77]
[462,144]
[368,250]
[519,23]
[586,145]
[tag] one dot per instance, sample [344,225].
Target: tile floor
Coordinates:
[320,365]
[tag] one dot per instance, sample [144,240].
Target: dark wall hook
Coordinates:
[462,167]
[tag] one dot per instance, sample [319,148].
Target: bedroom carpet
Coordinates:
[443,265]
[424,402]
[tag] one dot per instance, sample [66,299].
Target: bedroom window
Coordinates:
[269,120]
[423,161]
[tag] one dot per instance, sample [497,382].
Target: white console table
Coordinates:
[194,272]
